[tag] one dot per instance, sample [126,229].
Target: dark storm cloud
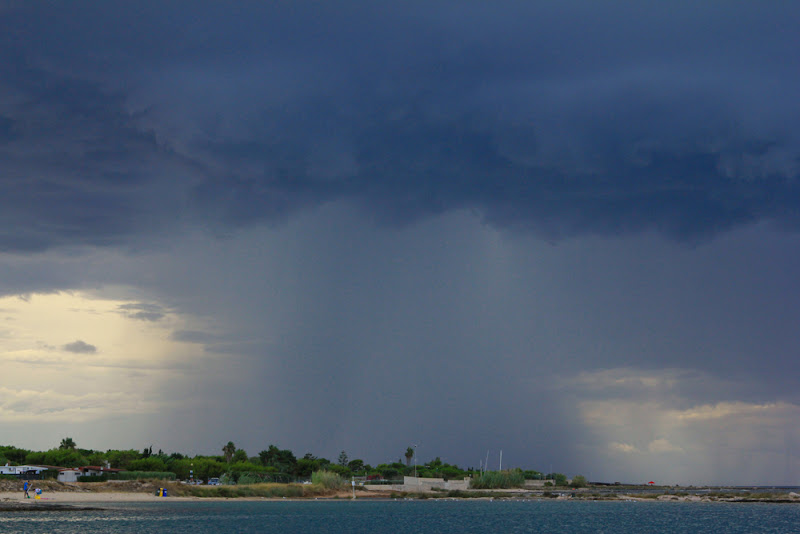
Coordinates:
[80,347]
[120,120]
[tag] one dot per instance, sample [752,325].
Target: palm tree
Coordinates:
[409,456]
[229,450]
[67,443]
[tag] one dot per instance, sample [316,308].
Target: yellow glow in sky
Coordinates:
[77,356]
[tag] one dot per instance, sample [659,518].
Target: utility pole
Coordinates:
[415,463]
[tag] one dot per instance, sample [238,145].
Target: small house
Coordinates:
[74,473]
[69,475]
[22,471]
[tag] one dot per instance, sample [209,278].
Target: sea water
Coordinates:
[400,517]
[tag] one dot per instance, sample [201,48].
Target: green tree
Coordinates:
[96,458]
[13,454]
[67,443]
[228,450]
[341,470]
[204,468]
[59,457]
[120,459]
[388,472]
[309,463]
[283,460]
[151,463]
[356,466]
[578,481]
[240,456]
[409,456]
[343,459]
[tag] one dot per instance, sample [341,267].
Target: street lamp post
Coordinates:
[415,463]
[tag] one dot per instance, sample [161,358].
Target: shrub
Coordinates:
[498,480]
[62,457]
[578,481]
[328,480]
[147,464]
[129,475]
[251,490]
[143,475]
[250,478]
[532,475]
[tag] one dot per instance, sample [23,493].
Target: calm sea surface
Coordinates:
[398,517]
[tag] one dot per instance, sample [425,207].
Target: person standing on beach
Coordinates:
[25,489]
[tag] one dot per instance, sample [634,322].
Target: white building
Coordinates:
[19,470]
[69,475]
[73,474]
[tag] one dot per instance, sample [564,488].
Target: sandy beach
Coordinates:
[133,491]
[87,497]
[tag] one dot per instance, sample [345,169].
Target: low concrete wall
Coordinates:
[428,484]
[538,483]
[384,487]
[422,484]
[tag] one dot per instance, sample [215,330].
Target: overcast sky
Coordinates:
[567,230]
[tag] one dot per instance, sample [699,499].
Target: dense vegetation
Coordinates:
[235,466]
[498,480]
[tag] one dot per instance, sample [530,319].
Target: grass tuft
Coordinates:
[498,480]
[328,480]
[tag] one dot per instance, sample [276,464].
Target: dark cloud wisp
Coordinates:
[80,347]
[142,311]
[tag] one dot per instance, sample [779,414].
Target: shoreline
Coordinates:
[55,499]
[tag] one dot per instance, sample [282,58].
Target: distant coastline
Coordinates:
[87,496]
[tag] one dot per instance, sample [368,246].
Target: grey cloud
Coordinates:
[142,311]
[80,347]
[558,120]
[193,336]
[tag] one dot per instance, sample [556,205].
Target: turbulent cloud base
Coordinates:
[255,113]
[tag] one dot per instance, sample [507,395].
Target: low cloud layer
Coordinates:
[23,405]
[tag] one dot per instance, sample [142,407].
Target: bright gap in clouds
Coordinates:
[647,429]
[78,357]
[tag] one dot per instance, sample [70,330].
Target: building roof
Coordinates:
[26,467]
[98,468]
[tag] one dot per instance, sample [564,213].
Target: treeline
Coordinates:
[235,465]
